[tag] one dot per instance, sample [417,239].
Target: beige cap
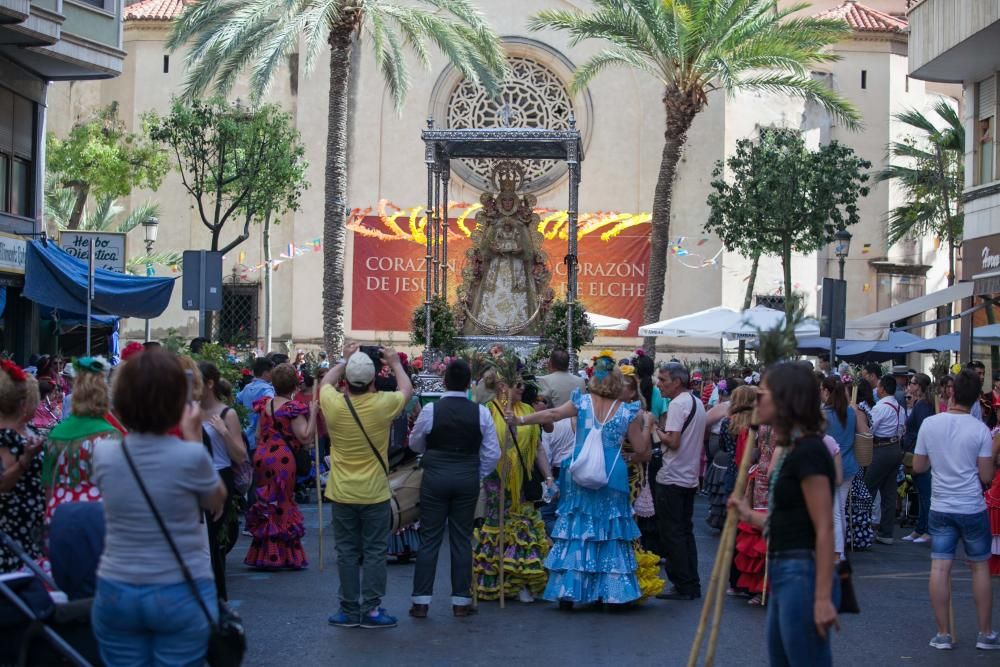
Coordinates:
[360,370]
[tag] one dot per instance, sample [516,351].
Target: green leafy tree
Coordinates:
[929,167]
[237,163]
[786,197]
[694,47]
[101,157]
[228,37]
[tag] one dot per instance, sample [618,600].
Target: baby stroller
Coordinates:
[35,627]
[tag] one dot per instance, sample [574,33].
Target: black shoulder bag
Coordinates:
[227,642]
[357,420]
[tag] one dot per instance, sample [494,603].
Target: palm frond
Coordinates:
[58,204]
[809,89]
[586,72]
[139,215]
[170,259]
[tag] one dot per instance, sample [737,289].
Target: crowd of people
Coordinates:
[575,489]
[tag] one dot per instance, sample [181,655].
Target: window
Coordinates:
[864,79]
[166,63]
[93,3]
[907,84]
[17,154]
[775,301]
[893,289]
[237,320]
[985,129]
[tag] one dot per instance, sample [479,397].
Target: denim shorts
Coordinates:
[973,529]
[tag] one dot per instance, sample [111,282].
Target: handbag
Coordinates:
[848,601]
[227,642]
[588,469]
[864,449]
[644,506]
[242,473]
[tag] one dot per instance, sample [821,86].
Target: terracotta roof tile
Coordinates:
[154,10]
[865,19]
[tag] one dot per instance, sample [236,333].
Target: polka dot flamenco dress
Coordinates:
[275,521]
[22,510]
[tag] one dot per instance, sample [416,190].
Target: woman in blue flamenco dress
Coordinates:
[592,559]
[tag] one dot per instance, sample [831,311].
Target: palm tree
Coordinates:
[228,37]
[931,170]
[694,47]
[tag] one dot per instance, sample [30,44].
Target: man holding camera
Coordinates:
[358,421]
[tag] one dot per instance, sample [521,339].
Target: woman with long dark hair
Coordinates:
[799,523]
[842,424]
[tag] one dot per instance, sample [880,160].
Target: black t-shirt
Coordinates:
[790,525]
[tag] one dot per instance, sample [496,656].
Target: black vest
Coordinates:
[456,427]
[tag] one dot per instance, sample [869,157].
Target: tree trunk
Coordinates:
[786,268]
[680,114]
[748,299]
[334,230]
[79,206]
[267,282]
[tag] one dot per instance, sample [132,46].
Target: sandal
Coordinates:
[756,601]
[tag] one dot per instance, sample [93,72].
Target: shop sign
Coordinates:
[13,250]
[109,248]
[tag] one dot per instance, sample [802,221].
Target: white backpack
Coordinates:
[588,468]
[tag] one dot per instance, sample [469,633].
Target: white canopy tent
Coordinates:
[761,318]
[878,325]
[607,323]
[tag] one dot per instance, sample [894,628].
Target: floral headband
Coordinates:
[13,370]
[604,363]
[91,364]
[627,370]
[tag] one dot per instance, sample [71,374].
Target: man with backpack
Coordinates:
[359,420]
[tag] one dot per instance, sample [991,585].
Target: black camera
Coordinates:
[374,353]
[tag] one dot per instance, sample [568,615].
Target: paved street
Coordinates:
[285,616]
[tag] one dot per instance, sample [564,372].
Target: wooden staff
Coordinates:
[720,571]
[767,568]
[502,469]
[319,495]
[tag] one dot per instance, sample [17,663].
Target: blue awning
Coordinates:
[54,278]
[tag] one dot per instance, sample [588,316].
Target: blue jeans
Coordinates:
[154,624]
[923,483]
[972,529]
[361,536]
[792,639]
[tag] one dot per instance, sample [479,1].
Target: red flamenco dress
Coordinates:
[751,547]
[275,521]
[993,506]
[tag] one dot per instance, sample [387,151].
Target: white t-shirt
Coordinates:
[682,465]
[954,443]
[559,444]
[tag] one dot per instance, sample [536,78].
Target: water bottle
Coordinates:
[548,493]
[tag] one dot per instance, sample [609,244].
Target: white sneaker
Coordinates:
[525,596]
[911,537]
[923,539]
[990,642]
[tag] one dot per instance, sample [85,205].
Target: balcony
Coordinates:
[954,41]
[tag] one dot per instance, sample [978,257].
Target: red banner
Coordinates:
[389,275]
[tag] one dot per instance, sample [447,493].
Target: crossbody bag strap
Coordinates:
[166,534]
[690,417]
[357,420]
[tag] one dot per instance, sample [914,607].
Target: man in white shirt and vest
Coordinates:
[888,425]
[459,441]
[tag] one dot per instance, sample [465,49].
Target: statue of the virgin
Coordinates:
[505,281]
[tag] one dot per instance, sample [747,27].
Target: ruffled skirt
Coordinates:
[592,557]
[859,515]
[715,486]
[524,547]
[751,558]
[993,507]
[275,521]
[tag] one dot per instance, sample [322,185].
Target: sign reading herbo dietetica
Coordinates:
[109,248]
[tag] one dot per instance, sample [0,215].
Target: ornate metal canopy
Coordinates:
[441,146]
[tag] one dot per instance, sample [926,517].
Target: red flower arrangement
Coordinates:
[131,350]
[246,372]
[13,370]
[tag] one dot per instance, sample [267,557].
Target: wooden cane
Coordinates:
[720,572]
[319,494]
[502,468]
[767,571]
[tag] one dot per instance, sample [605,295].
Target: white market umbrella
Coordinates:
[761,318]
[607,323]
[704,324]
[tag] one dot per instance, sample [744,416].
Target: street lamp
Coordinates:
[842,247]
[149,227]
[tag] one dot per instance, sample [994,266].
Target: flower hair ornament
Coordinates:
[91,365]
[604,363]
[723,387]
[15,372]
[627,370]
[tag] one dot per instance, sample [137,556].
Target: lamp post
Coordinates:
[841,248]
[149,227]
